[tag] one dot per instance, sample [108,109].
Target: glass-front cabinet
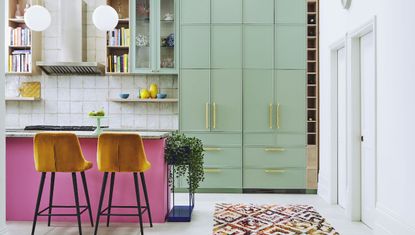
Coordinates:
[155,33]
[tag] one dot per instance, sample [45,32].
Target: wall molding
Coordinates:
[323,189]
[387,223]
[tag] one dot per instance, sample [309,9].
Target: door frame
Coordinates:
[339,44]
[354,211]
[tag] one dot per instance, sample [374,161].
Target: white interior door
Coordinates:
[368,126]
[341,127]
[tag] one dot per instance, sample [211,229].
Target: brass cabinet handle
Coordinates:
[212,149]
[207,116]
[211,170]
[274,171]
[278,116]
[270,116]
[214,115]
[274,149]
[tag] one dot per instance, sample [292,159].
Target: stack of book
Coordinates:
[119,37]
[20,61]
[20,36]
[118,63]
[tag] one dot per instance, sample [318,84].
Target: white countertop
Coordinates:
[90,134]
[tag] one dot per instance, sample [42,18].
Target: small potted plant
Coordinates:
[185,157]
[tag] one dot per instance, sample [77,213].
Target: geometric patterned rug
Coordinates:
[248,219]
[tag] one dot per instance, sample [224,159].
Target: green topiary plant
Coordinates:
[186,155]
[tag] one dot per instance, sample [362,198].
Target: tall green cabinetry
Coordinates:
[242,91]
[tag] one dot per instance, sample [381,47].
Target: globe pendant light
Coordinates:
[105,18]
[37,18]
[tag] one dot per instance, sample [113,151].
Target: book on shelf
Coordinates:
[20,61]
[119,37]
[118,63]
[20,36]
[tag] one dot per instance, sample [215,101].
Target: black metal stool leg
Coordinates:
[87,197]
[110,199]
[52,186]
[78,212]
[137,192]
[101,199]
[39,197]
[143,184]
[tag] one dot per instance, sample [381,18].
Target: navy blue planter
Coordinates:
[180,213]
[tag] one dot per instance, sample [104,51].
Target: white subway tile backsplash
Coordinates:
[89,82]
[76,107]
[12,120]
[64,107]
[140,121]
[101,94]
[50,93]
[140,82]
[76,119]
[127,108]
[89,95]
[127,121]
[77,94]
[115,82]
[127,83]
[25,120]
[38,107]
[101,82]
[38,119]
[25,108]
[114,108]
[153,108]
[51,107]
[51,119]
[153,122]
[12,107]
[64,119]
[115,121]
[64,94]
[64,82]
[166,122]
[76,82]
[51,82]
[140,109]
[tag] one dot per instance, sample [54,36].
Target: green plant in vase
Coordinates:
[186,155]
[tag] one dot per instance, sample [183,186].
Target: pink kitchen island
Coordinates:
[22,181]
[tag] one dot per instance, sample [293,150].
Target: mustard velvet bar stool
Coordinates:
[122,152]
[60,152]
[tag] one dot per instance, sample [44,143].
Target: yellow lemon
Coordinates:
[153,90]
[144,94]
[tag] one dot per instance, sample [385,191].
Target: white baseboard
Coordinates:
[387,223]
[323,189]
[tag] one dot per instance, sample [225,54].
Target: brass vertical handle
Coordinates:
[270,116]
[278,116]
[214,115]
[207,116]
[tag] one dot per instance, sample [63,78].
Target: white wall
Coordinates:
[395,103]
[2,122]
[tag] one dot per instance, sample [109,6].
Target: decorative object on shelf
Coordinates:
[105,18]
[144,94]
[142,40]
[346,3]
[37,18]
[18,13]
[168,17]
[153,91]
[30,89]
[184,155]
[27,6]
[167,63]
[124,95]
[170,40]
[161,95]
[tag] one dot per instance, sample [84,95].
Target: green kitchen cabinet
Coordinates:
[151,27]
[258,12]
[194,100]
[290,101]
[226,11]
[274,178]
[290,49]
[290,11]
[226,97]
[258,100]
[195,47]
[226,48]
[195,11]
[258,46]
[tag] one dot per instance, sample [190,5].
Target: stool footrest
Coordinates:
[85,208]
[143,209]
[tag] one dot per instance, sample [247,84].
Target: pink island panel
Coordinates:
[22,184]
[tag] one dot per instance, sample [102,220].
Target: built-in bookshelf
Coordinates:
[312,92]
[118,40]
[24,45]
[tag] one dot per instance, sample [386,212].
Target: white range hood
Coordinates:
[72,43]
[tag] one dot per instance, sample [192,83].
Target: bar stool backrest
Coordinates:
[121,152]
[59,152]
